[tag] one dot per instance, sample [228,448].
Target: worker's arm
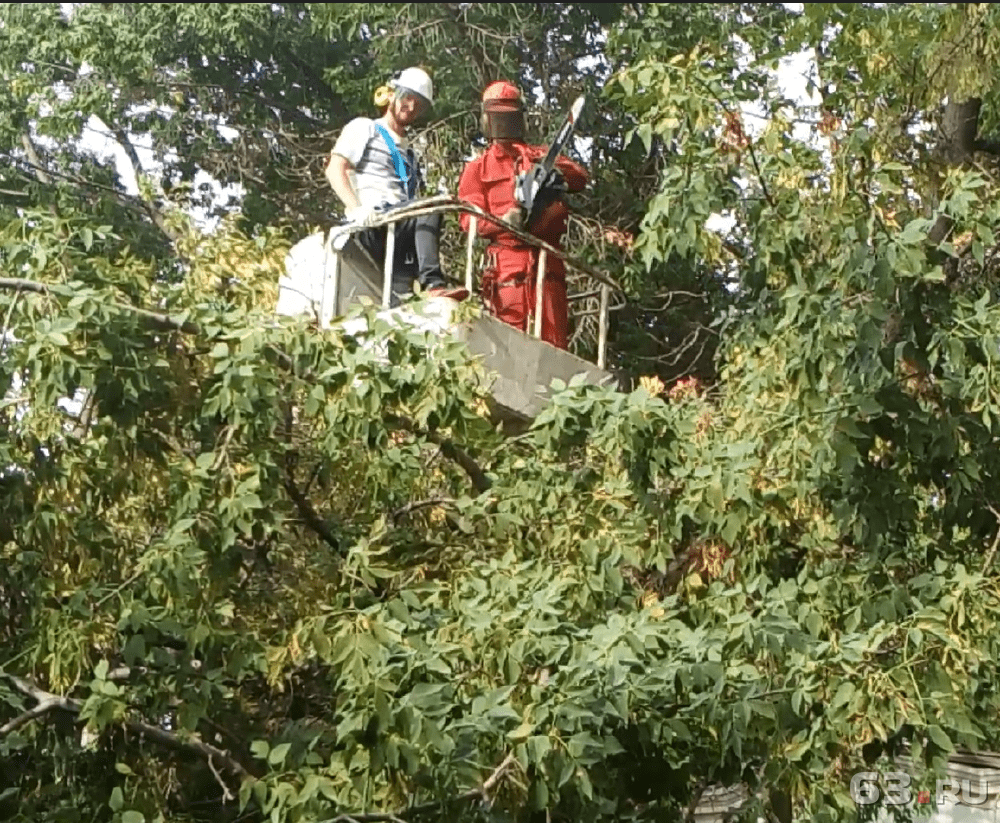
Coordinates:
[573,173]
[471,191]
[338,173]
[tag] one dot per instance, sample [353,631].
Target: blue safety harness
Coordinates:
[405,170]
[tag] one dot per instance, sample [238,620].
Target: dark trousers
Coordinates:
[416,257]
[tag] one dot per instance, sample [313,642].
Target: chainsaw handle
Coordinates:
[527,185]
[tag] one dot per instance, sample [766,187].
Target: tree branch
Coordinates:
[989,145]
[193,743]
[988,560]
[45,176]
[309,515]
[130,151]
[696,797]
[959,127]
[35,160]
[420,504]
[157,216]
[43,707]
[43,698]
[46,702]
[480,793]
[749,144]
[155,320]
[480,481]
[123,673]
[6,322]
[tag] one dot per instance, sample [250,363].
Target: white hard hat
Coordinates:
[417,81]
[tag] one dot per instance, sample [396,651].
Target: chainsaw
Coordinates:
[543,175]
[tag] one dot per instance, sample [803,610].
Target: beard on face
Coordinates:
[408,109]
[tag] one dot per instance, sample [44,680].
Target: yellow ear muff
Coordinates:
[383,97]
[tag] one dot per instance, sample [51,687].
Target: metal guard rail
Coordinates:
[449,204]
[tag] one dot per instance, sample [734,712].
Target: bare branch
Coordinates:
[226,794]
[157,216]
[480,793]
[192,743]
[420,504]
[156,320]
[43,707]
[309,515]
[987,145]
[988,560]
[36,161]
[447,203]
[46,702]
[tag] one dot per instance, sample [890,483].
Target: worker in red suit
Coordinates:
[508,282]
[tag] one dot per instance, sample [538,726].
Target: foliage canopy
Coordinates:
[252,572]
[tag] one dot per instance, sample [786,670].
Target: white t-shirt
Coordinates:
[374,176]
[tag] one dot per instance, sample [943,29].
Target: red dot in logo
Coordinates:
[924,797]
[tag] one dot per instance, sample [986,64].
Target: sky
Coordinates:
[98,139]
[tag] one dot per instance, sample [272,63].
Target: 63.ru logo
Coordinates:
[894,789]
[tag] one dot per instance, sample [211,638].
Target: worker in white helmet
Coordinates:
[372,169]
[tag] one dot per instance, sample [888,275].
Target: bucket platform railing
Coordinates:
[447,205]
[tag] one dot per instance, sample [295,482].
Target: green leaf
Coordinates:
[521,732]
[844,694]
[732,528]
[133,817]
[538,746]
[246,787]
[539,796]
[869,407]
[117,799]
[644,131]
[940,738]
[278,754]
[714,496]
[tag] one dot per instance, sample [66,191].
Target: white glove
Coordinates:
[362,215]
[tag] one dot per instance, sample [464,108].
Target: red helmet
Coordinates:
[502,96]
[503,112]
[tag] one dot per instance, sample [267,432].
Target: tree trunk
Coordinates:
[960,129]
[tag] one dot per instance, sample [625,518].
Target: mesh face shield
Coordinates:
[503,121]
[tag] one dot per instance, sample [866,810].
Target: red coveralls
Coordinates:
[509,279]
